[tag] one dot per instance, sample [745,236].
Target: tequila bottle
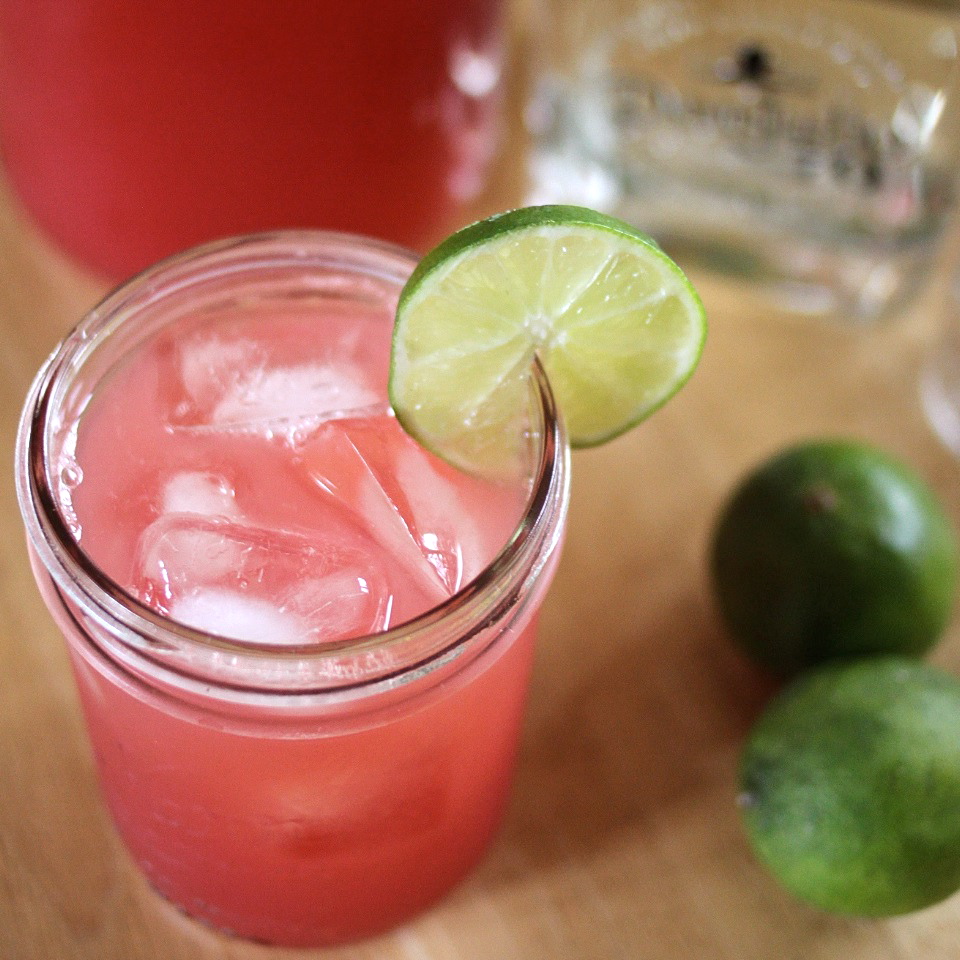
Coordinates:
[808,149]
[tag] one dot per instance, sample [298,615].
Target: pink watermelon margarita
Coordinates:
[133,130]
[302,643]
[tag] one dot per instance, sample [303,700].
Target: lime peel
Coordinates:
[850,786]
[833,549]
[614,321]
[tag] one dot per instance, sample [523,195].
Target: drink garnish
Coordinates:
[614,321]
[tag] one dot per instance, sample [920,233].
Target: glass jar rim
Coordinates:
[391,657]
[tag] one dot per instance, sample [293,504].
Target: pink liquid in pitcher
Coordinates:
[131,130]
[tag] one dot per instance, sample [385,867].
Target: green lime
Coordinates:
[850,786]
[615,323]
[833,549]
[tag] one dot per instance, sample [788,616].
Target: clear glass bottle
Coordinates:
[808,149]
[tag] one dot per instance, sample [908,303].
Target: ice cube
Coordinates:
[211,367]
[179,550]
[230,613]
[338,467]
[204,493]
[341,596]
[373,468]
[445,527]
[232,385]
[288,396]
[321,587]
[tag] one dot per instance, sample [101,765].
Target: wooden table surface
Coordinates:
[622,839]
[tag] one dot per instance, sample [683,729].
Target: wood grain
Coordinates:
[622,839]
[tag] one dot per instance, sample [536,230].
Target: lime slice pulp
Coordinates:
[615,323]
